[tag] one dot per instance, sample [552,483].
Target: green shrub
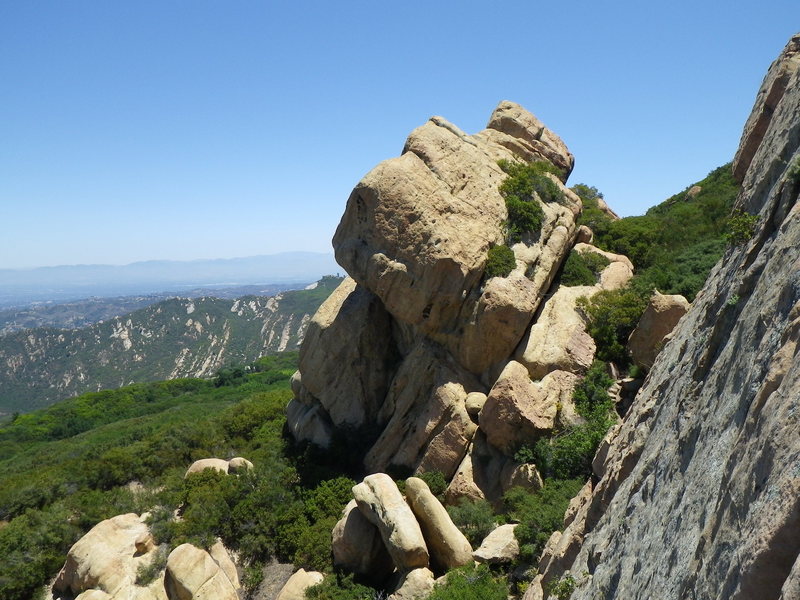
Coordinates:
[563,588]
[612,315]
[436,482]
[500,262]
[520,189]
[592,216]
[471,583]
[475,519]
[340,587]
[539,513]
[583,269]
[741,227]
[148,573]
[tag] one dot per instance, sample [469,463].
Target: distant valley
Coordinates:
[178,337]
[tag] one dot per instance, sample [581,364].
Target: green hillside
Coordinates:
[673,247]
[174,338]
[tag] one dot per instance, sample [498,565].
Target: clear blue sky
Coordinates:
[180,130]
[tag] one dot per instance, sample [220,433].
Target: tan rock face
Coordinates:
[381,503]
[519,411]
[106,559]
[347,356]
[447,545]
[414,585]
[357,546]
[558,341]
[500,546]
[532,139]
[417,230]
[659,319]
[192,574]
[428,427]
[295,588]
[700,494]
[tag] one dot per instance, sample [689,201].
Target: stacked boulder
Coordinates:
[440,367]
[383,534]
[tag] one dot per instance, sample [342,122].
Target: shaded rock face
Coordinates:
[700,489]
[403,354]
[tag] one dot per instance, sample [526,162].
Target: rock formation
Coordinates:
[106,560]
[699,492]
[659,319]
[406,351]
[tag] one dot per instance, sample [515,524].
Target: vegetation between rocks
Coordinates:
[526,182]
[500,262]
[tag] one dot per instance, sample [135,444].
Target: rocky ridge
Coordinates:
[698,491]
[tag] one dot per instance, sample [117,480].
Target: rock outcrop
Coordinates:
[194,574]
[106,560]
[405,352]
[699,494]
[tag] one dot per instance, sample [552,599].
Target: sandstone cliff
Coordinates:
[698,495]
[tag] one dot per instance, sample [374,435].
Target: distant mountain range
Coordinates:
[179,337]
[19,287]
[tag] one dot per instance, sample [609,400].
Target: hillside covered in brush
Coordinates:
[174,338]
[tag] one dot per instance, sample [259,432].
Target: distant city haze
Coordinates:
[19,287]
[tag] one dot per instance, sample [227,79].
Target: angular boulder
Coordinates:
[295,588]
[448,547]
[414,585]
[383,505]
[106,559]
[658,320]
[499,547]
[347,357]
[427,428]
[192,574]
[519,411]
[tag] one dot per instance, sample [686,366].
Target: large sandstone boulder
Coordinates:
[192,574]
[295,588]
[428,427]
[486,473]
[216,464]
[358,547]
[448,547]
[381,502]
[558,340]
[519,411]
[106,559]
[499,547]
[414,585]
[657,322]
